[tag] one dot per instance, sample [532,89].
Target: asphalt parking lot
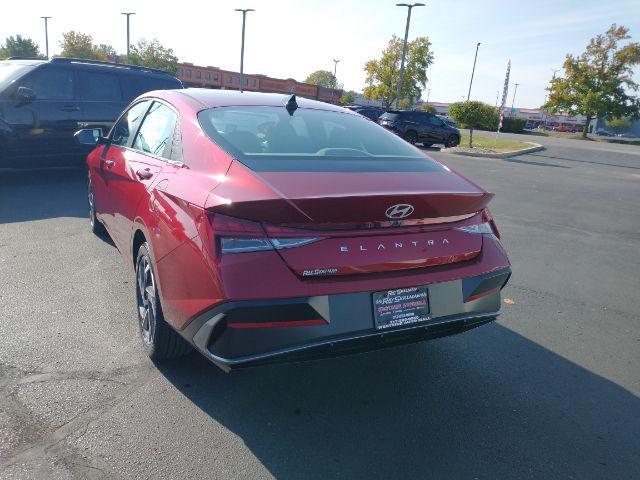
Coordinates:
[550,390]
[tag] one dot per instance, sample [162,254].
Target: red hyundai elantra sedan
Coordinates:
[265,227]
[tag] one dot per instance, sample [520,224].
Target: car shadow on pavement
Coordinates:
[486,404]
[42,194]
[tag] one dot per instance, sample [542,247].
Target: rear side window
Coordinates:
[128,123]
[135,85]
[390,116]
[99,86]
[51,83]
[156,132]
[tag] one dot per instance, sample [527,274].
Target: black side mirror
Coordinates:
[89,136]
[25,94]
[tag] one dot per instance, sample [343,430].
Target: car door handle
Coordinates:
[70,108]
[144,174]
[109,163]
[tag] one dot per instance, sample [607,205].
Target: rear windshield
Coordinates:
[268,138]
[11,71]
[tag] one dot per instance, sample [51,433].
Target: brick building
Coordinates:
[213,77]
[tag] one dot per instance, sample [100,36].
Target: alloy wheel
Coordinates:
[92,208]
[146,293]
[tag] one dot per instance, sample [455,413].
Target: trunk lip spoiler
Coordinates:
[320,227]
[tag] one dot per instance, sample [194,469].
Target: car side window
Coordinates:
[126,126]
[99,86]
[435,121]
[51,83]
[155,135]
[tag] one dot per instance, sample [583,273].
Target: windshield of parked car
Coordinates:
[11,71]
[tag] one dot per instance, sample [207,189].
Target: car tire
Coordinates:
[452,141]
[411,137]
[96,226]
[161,342]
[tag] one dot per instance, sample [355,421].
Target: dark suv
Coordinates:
[420,127]
[42,104]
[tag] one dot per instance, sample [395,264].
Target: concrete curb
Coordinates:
[535,148]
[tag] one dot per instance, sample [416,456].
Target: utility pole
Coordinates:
[128,14]
[244,20]
[335,68]
[513,101]
[473,70]
[46,35]
[404,46]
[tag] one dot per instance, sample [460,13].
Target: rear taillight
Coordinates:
[241,236]
[487,226]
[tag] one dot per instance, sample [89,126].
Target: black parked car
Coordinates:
[420,127]
[372,113]
[42,104]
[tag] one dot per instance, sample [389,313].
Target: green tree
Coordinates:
[108,52]
[472,115]
[599,82]
[19,46]
[383,75]
[425,107]
[322,78]
[153,54]
[347,98]
[618,124]
[80,45]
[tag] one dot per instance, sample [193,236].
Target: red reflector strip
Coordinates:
[482,294]
[293,323]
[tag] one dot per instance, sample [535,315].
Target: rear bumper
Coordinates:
[335,324]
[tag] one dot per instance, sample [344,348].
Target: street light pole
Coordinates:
[473,70]
[46,35]
[335,68]
[404,46]
[128,14]
[428,94]
[513,101]
[244,19]
[554,70]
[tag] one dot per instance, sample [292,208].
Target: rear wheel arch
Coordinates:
[138,239]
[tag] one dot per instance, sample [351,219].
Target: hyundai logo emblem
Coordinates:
[401,210]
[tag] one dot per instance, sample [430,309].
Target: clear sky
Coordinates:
[287,38]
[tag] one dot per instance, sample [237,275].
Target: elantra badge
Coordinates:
[399,211]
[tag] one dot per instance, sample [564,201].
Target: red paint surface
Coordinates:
[173,210]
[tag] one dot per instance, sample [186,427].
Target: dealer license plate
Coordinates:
[401,307]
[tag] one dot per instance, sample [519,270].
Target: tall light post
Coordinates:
[404,46]
[554,70]
[128,14]
[46,35]
[335,69]
[497,94]
[513,101]
[244,19]
[473,70]
[428,94]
